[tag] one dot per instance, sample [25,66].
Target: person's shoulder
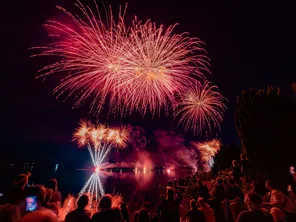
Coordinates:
[99,215]
[96,217]
[115,209]
[71,212]
[70,215]
[243,215]
[96,214]
[188,213]
[200,212]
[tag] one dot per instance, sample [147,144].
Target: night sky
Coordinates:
[250,44]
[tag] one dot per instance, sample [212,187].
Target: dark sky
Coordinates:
[250,44]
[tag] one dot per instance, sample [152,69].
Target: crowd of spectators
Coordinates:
[231,195]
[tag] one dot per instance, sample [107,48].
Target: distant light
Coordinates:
[292,170]
[168,170]
[56,167]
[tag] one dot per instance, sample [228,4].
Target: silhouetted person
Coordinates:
[106,212]
[124,212]
[236,199]
[194,215]
[56,196]
[277,198]
[218,193]
[155,218]
[236,172]
[170,207]
[145,206]
[79,214]
[159,208]
[207,210]
[259,188]
[17,194]
[9,213]
[203,191]
[245,167]
[255,212]
[144,216]
[218,196]
[48,204]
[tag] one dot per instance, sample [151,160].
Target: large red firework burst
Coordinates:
[128,68]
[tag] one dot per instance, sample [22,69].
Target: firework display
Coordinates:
[200,107]
[99,140]
[208,149]
[127,68]
[141,67]
[159,65]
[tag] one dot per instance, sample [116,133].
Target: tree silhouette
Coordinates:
[227,154]
[266,124]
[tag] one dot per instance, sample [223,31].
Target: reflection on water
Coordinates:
[135,187]
[139,186]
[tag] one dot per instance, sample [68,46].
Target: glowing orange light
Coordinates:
[96,135]
[208,149]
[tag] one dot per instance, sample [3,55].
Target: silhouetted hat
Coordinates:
[21,177]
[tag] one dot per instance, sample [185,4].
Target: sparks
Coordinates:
[99,139]
[200,107]
[208,149]
[138,68]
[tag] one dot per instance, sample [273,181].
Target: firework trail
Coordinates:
[99,140]
[135,68]
[200,107]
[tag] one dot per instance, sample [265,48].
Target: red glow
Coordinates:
[97,169]
[140,67]
[201,107]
